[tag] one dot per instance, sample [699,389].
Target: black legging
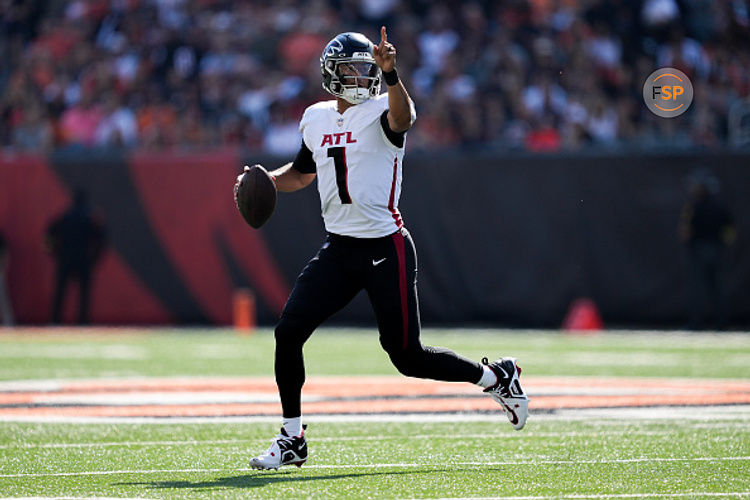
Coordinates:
[386,268]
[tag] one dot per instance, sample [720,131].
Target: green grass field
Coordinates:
[673,454]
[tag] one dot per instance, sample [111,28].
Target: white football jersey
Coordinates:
[358,168]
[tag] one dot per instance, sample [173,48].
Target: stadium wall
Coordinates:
[505,240]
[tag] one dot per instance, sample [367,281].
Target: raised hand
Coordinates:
[384,53]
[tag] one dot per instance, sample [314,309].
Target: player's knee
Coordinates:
[401,362]
[290,332]
[408,361]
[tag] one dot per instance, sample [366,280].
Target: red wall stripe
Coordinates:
[31,197]
[189,202]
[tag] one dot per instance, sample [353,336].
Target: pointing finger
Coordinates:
[383,35]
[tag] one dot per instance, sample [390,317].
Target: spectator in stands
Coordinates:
[76,240]
[34,132]
[157,119]
[78,124]
[118,126]
[282,134]
[581,63]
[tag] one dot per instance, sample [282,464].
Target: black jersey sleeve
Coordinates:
[396,138]
[304,162]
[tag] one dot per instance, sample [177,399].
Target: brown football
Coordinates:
[255,196]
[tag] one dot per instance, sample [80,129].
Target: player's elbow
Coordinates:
[301,181]
[292,180]
[402,126]
[400,122]
[306,179]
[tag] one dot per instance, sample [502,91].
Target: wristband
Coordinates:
[390,77]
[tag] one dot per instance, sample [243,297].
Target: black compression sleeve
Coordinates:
[396,138]
[304,162]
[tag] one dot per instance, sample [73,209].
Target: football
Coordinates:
[255,195]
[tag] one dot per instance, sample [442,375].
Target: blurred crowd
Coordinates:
[540,75]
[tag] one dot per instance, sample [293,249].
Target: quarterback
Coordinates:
[354,145]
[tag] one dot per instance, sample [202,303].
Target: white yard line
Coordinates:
[70,498]
[385,466]
[417,437]
[736,494]
[575,496]
[157,398]
[535,383]
[606,416]
[75,351]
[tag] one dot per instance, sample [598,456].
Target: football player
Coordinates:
[354,144]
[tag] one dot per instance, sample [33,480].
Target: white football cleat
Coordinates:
[508,392]
[285,450]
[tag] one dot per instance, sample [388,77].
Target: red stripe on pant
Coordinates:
[398,241]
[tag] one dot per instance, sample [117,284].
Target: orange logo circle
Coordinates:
[668,92]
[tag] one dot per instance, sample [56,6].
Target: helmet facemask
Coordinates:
[354,79]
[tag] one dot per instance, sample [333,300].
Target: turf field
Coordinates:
[88,413]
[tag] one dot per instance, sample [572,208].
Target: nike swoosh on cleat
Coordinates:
[376,262]
[504,372]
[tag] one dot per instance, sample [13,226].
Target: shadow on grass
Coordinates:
[258,479]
